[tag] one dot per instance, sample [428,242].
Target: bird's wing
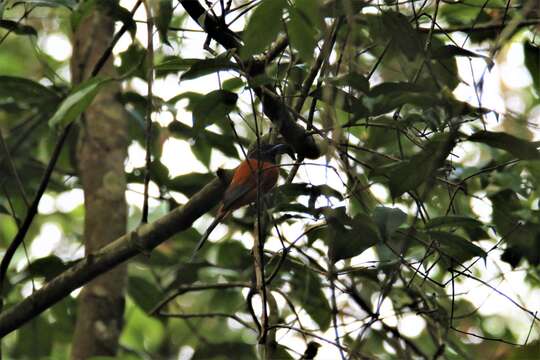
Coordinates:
[243,187]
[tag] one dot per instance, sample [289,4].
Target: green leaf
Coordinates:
[34,340]
[221,142]
[336,8]
[202,151]
[213,107]
[302,34]
[120,13]
[306,288]
[263,27]
[143,292]
[163,19]
[352,79]
[340,99]
[4,210]
[133,62]
[402,33]
[522,149]
[233,84]
[208,66]
[113,8]
[292,191]
[532,62]
[77,101]
[311,11]
[281,353]
[446,51]
[453,221]
[28,92]
[173,64]
[456,247]
[189,184]
[408,175]
[17,28]
[70,4]
[159,173]
[348,237]
[193,97]
[187,273]
[388,220]
[241,351]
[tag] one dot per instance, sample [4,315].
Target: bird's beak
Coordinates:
[283,149]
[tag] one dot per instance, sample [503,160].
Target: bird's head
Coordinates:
[268,152]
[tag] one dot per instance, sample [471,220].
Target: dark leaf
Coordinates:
[388,220]
[159,173]
[263,27]
[70,4]
[348,237]
[336,8]
[294,190]
[233,255]
[208,66]
[221,142]
[522,149]
[457,248]
[302,33]
[532,62]
[120,13]
[202,152]
[341,99]
[173,64]
[189,184]
[280,352]
[193,97]
[453,221]
[444,52]
[163,19]
[143,292]
[34,340]
[402,33]
[410,174]
[17,28]
[187,273]
[27,92]
[241,351]
[354,80]
[213,107]
[306,288]
[133,61]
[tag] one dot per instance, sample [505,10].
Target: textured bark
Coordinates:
[101,154]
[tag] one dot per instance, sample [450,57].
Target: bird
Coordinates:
[311,350]
[242,189]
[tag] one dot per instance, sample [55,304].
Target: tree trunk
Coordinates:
[101,152]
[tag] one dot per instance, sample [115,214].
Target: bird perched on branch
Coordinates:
[258,169]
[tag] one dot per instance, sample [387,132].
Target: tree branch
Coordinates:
[479,28]
[144,238]
[274,108]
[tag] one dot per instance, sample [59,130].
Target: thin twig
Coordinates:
[149,107]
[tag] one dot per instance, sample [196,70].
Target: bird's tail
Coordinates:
[220,216]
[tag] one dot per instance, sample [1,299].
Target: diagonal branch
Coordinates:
[145,238]
[274,108]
